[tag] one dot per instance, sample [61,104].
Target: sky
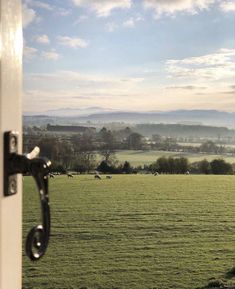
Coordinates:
[129,55]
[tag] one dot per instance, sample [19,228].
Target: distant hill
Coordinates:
[72,112]
[191,117]
[182,130]
[205,117]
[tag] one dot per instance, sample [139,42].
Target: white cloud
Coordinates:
[39,4]
[73,88]
[67,88]
[227,6]
[50,55]
[103,8]
[43,39]
[170,7]
[186,87]
[73,42]
[29,52]
[129,23]
[85,79]
[28,15]
[81,19]
[86,83]
[43,5]
[217,66]
[63,12]
[132,21]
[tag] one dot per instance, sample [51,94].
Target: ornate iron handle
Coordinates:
[38,237]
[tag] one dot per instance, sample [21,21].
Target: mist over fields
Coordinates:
[98,115]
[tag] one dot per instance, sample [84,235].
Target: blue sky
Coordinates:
[129,55]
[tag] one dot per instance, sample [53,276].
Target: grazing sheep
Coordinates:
[98,177]
[109,177]
[69,175]
[51,176]
[156,174]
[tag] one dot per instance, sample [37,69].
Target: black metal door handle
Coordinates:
[38,237]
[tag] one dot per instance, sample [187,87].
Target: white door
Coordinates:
[10,119]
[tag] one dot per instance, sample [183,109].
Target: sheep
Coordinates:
[69,175]
[51,176]
[187,173]
[109,177]
[97,177]
[156,174]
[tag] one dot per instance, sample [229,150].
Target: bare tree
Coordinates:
[107,150]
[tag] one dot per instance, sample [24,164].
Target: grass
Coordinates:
[147,157]
[135,232]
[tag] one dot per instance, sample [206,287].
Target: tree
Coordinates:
[172,165]
[57,150]
[204,167]
[209,147]
[104,168]
[162,165]
[85,158]
[127,168]
[182,165]
[220,167]
[169,144]
[107,149]
[80,168]
[82,143]
[135,141]
[85,162]
[66,154]
[49,147]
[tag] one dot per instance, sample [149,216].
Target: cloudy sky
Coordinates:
[134,55]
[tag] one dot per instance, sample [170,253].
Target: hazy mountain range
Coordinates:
[100,115]
[72,112]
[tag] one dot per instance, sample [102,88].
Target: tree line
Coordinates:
[78,152]
[129,139]
[170,165]
[182,165]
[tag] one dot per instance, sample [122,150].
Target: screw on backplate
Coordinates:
[13,143]
[12,186]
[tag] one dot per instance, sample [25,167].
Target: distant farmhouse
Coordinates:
[71,128]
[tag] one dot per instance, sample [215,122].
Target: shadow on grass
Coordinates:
[215,284]
[230,274]
[219,283]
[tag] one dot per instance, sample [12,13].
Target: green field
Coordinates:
[134,232]
[147,157]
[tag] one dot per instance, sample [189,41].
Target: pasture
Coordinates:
[134,232]
[147,157]
[137,158]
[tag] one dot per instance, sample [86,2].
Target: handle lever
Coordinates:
[38,237]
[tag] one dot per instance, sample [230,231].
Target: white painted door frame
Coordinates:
[10,119]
